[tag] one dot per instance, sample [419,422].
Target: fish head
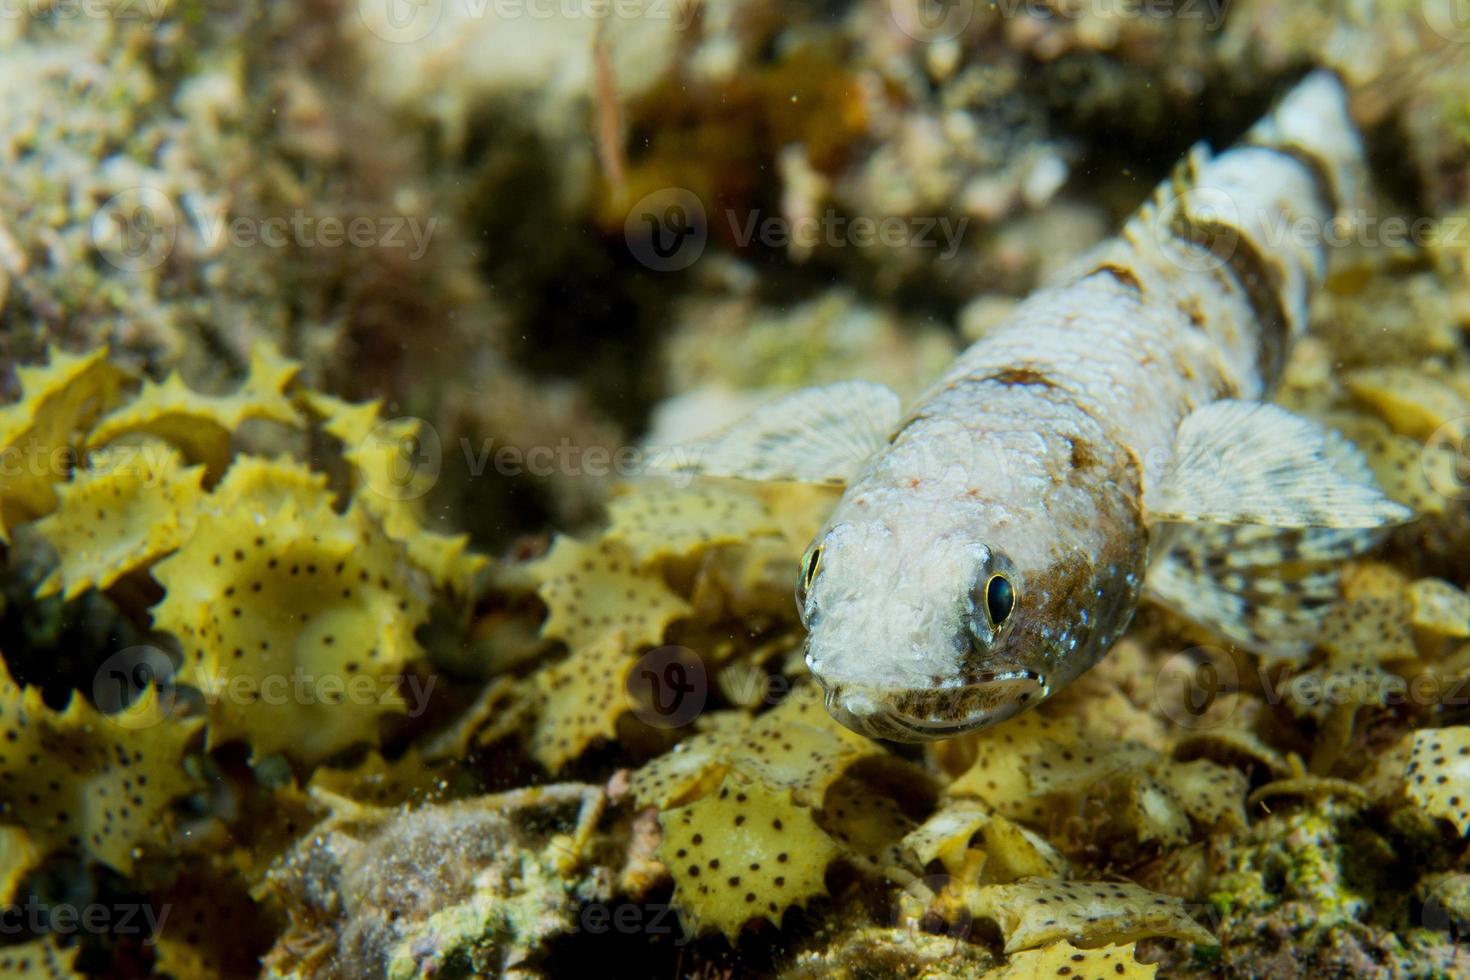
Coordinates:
[920,628]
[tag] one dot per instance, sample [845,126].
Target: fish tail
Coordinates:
[1264,210]
[1313,125]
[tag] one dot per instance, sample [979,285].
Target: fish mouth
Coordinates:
[931,714]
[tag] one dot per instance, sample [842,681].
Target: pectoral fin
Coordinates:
[1265,588]
[815,435]
[1255,463]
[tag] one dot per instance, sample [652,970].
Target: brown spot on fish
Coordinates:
[1124,277]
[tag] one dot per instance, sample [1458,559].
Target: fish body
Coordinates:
[1111,437]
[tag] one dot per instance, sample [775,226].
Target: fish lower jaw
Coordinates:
[941,713]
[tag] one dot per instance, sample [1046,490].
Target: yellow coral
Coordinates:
[119,517]
[1065,960]
[743,852]
[593,588]
[1039,911]
[201,426]
[98,783]
[1438,774]
[39,432]
[297,626]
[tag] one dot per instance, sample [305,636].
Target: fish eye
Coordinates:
[1000,599]
[810,566]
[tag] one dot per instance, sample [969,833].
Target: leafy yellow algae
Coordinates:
[445,558]
[18,856]
[377,781]
[654,522]
[581,700]
[1411,401]
[798,746]
[1408,472]
[81,779]
[1438,774]
[1000,775]
[265,486]
[1039,911]
[119,518]
[686,772]
[212,929]
[592,588]
[39,432]
[743,852]
[1013,851]
[1065,960]
[1060,767]
[1440,608]
[395,463]
[871,826]
[1368,630]
[39,959]
[1213,795]
[200,425]
[392,457]
[297,626]
[946,835]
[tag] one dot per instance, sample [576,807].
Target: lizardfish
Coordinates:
[1112,439]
